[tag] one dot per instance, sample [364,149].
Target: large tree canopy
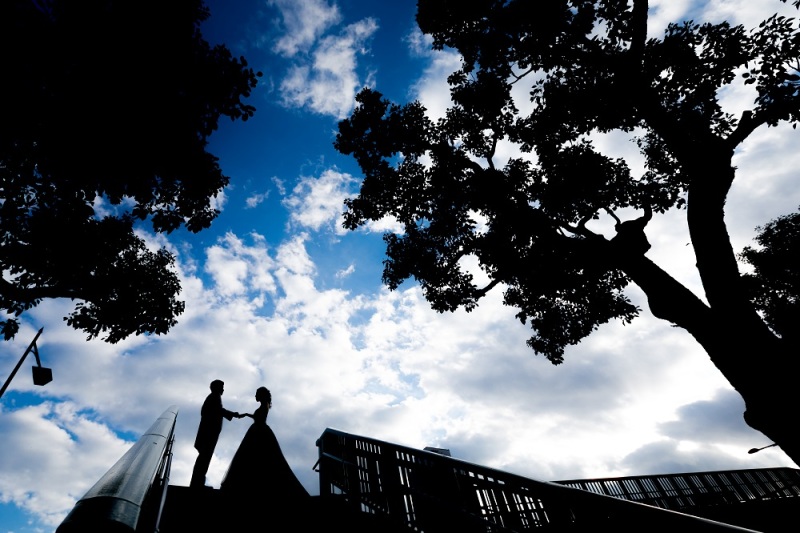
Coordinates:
[107,110]
[588,67]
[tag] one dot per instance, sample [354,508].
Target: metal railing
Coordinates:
[697,489]
[428,492]
[130,496]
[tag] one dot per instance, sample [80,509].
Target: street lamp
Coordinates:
[41,375]
[754,450]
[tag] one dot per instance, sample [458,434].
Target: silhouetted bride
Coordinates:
[258,468]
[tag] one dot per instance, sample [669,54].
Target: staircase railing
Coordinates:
[130,496]
[698,489]
[428,492]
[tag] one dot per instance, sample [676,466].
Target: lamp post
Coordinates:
[41,375]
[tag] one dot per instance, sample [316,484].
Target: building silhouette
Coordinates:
[371,485]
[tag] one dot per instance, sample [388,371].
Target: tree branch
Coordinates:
[580,229]
[492,150]
[667,298]
[28,296]
[520,76]
[613,215]
[480,293]
[747,124]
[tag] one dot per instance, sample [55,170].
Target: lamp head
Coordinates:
[42,375]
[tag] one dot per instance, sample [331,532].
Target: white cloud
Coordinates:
[318,202]
[766,182]
[279,185]
[432,89]
[237,268]
[387,224]
[293,258]
[328,84]
[304,22]
[218,201]
[255,199]
[346,272]
[663,12]
[103,208]
[743,12]
[419,44]
[43,446]
[747,13]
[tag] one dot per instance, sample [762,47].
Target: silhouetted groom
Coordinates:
[211,416]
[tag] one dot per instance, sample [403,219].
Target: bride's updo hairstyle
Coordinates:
[263,395]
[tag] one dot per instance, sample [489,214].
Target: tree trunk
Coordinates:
[758,364]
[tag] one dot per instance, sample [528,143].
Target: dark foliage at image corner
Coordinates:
[107,110]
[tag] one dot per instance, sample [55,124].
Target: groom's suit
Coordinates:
[211,416]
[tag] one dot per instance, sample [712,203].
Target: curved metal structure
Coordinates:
[130,496]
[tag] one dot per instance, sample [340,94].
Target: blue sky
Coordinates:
[278,294]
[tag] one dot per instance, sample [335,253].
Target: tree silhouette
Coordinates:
[774,283]
[587,67]
[107,109]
